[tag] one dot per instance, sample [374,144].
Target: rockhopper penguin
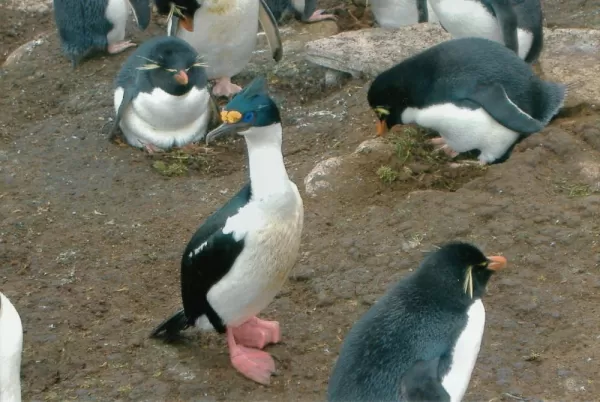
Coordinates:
[422,338]
[90,26]
[517,24]
[11,348]
[475,92]
[239,259]
[161,96]
[224,33]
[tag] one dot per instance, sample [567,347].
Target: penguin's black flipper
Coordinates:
[269,25]
[507,18]
[494,100]
[128,95]
[422,11]
[142,12]
[171,327]
[421,383]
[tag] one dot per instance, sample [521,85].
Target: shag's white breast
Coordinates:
[465,18]
[464,356]
[117,12]
[11,347]
[396,13]
[272,242]
[165,120]
[464,129]
[224,35]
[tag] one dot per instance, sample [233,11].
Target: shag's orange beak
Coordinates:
[497,262]
[382,127]
[181,77]
[187,23]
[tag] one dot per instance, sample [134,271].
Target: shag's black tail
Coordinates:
[170,328]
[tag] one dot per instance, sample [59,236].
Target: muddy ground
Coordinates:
[91,235]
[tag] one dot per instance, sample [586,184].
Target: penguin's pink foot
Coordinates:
[224,87]
[449,151]
[257,333]
[437,141]
[252,363]
[118,47]
[467,164]
[319,16]
[152,149]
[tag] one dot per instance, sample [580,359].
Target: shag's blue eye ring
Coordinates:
[248,117]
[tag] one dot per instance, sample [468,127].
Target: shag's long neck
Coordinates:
[267,170]
[11,345]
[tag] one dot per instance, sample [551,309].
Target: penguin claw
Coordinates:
[119,47]
[224,87]
[319,15]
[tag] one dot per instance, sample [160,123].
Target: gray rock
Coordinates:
[570,56]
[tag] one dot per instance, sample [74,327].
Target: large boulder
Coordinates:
[571,56]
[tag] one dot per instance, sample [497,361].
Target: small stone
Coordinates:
[323,300]
[302,275]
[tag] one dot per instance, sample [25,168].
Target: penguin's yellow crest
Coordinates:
[230,116]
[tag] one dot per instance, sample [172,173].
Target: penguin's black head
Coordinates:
[386,101]
[173,66]
[252,107]
[463,268]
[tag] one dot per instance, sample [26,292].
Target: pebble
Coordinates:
[324,300]
[303,274]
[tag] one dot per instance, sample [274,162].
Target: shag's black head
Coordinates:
[252,107]
[171,64]
[462,268]
[186,8]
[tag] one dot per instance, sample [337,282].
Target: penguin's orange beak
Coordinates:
[497,262]
[382,127]
[181,77]
[187,23]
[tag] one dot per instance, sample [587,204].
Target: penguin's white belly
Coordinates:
[464,129]
[392,14]
[117,12]
[225,37]
[270,252]
[466,18]
[465,352]
[525,39]
[11,347]
[165,120]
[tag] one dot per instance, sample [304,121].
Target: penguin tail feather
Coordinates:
[555,95]
[170,328]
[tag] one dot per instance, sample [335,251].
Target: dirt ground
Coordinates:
[92,232]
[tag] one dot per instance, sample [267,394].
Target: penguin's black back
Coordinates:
[82,26]
[420,318]
[153,49]
[450,70]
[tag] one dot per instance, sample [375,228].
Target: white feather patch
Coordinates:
[11,347]
[465,353]
[117,12]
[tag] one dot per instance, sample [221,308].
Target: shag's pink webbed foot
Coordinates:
[252,363]
[319,16]
[224,87]
[118,47]
[257,333]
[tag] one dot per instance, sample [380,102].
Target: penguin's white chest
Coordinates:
[164,120]
[392,14]
[464,129]
[11,346]
[465,18]
[117,12]
[465,352]
[224,35]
